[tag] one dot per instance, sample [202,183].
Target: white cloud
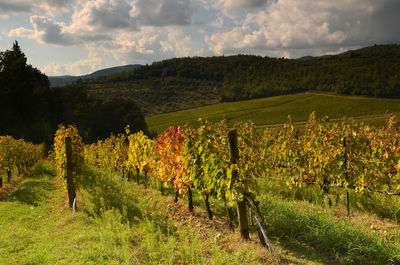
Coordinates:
[22,32]
[289,25]
[101,15]
[177,44]
[48,31]
[80,67]
[149,45]
[102,20]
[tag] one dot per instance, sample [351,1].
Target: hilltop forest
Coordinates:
[182,83]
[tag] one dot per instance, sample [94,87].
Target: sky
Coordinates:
[77,37]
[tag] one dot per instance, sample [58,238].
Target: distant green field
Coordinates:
[275,110]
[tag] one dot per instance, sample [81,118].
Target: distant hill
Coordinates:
[182,83]
[68,79]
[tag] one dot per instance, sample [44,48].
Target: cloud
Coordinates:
[50,7]
[103,15]
[150,45]
[52,32]
[233,8]
[22,33]
[163,13]
[300,25]
[240,4]
[177,44]
[48,31]
[15,7]
[103,20]
[80,67]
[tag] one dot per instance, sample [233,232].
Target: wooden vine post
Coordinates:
[207,204]
[9,176]
[241,205]
[190,200]
[137,175]
[69,173]
[346,176]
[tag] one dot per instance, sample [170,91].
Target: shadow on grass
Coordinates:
[382,205]
[45,168]
[339,241]
[34,190]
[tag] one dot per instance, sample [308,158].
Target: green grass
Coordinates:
[298,225]
[375,204]
[275,110]
[302,219]
[118,223]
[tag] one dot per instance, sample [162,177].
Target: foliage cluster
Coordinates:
[349,155]
[186,158]
[60,153]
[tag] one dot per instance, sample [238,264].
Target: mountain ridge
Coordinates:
[68,79]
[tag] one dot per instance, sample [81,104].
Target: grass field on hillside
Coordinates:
[275,110]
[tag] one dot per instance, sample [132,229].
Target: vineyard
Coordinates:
[17,154]
[221,167]
[225,163]
[348,155]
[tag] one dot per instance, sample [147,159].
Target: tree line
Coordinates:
[372,71]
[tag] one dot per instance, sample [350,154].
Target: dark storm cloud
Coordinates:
[385,23]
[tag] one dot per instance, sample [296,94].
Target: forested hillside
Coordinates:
[183,83]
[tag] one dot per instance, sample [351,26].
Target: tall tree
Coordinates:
[23,96]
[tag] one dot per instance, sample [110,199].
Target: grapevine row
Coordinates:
[349,154]
[17,154]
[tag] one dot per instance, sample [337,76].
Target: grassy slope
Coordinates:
[121,224]
[301,218]
[275,110]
